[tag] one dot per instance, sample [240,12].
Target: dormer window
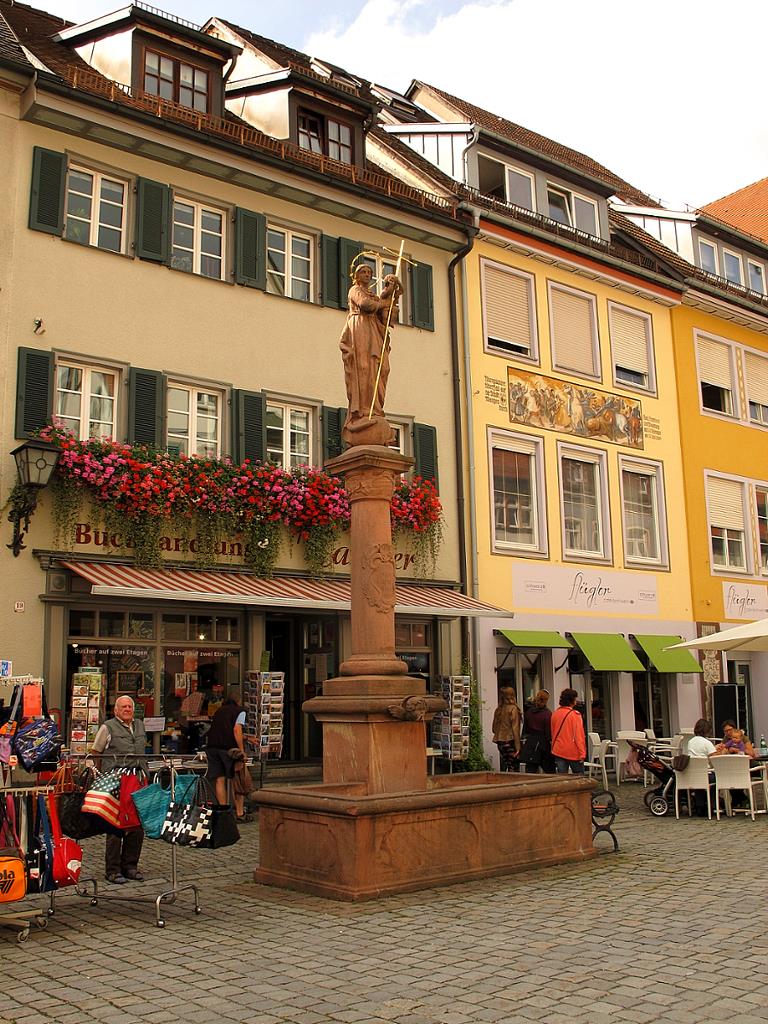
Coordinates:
[176,80]
[509,184]
[325,135]
[574,210]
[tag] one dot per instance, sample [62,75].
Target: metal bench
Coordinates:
[605,807]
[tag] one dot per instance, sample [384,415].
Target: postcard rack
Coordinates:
[22,921]
[169,894]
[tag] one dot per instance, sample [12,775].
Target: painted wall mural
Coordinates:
[570,408]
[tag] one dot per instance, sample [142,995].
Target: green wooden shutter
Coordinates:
[251,249]
[153,215]
[348,250]
[34,390]
[421,291]
[249,426]
[425,451]
[333,421]
[46,201]
[146,406]
[329,255]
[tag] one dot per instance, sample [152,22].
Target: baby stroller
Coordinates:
[659,800]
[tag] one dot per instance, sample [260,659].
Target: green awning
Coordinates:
[667,661]
[608,652]
[544,638]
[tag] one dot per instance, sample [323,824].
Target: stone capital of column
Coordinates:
[367,457]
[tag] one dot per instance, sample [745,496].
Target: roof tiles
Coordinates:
[745,209]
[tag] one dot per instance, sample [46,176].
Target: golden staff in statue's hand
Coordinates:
[396,293]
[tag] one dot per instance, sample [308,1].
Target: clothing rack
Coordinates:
[21,921]
[152,763]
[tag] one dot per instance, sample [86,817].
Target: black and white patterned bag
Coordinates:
[189,823]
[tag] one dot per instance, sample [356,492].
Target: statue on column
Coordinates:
[365,351]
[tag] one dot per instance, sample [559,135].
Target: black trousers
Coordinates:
[123,852]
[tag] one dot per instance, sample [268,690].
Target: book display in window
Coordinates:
[450,728]
[264,701]
[87,709]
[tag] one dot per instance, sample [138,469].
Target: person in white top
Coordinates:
[698,744]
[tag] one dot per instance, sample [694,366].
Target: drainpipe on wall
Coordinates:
[457,422]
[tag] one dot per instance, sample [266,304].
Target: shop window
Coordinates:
[82,623]
[111,623]
[227,629]
[200,627]
[95,212]
[86,400]
[193,421]
[174,627]
[413,644]
[176,80]
[198,238]
[289,264]
[289,435]
[141,625]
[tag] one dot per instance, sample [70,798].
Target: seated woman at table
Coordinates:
[735,741]
[699,745]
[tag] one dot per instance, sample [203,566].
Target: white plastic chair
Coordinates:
[732,771]
[597,759]
[695,776]
[650,735]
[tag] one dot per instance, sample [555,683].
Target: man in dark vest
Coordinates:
[224,737]
[122,742]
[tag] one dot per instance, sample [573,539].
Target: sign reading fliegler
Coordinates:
[557,588]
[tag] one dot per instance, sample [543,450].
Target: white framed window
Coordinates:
[632,347]
[761,503]
[717,377]
[732,267]
[198,239]
[756,380]
[290,263]
[86,399]
[96,209]
[726,518]
[756,275]
[708,256]
[193,420]
[517,492]
[570,208]
[509,311]
[289,434]
[573,326]
[584,503]
[502,181]
[381,266]
[642,507]
[521,188]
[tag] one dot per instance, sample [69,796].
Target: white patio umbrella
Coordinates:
[752,636]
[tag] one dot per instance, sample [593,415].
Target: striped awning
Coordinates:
[112,580]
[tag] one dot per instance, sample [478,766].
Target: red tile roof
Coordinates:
[745,209]
[10,49]
[517,135]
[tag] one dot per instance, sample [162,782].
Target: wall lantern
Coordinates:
[35,463]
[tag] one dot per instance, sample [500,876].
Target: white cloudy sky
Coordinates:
[670,94]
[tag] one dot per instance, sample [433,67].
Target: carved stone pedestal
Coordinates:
[378,824]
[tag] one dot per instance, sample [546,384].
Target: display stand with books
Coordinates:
[87,708]
[450,728]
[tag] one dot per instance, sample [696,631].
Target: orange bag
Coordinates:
[13,877]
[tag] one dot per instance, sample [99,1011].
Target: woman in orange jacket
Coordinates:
[569,745]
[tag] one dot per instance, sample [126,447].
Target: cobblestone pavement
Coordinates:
[673,924]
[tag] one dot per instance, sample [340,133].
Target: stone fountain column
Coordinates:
[373,714]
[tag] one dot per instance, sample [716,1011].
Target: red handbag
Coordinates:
[128,816]
[67,854]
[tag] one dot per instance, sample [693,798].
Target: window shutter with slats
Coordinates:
[329,256]
[249,426]
[46,201]
[34,390]
[348,250]
[508,303]
[630,340]
[757,378]
[573,331]
[251,249]
[153,215]
[725,501]
[425,452]
[422,295]
[333,421]
[146,406]
[715,363]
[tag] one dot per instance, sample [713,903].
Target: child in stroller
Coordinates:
[660,799]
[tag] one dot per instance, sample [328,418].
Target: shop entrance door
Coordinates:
[280,643]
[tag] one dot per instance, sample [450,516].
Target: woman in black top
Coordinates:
[536,753]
